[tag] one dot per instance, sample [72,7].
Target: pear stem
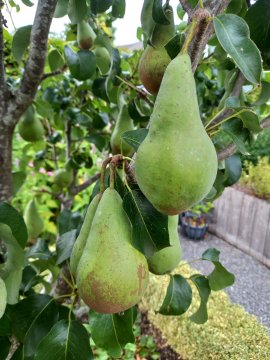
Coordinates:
[112,174]
[103,172]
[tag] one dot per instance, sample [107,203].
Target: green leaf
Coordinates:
[82,64]
[5,325]
[61,8]
[65,341]
[258,19]
[77,9]
[233,35]
[10,216]
[98,140]
[31,319]
[99,88]
[147,21]
[158,13]
[233,170]
[27,3]
[135,114]
[150,227]
[18,179]
[193,3]
[220,277]
[64,246]
[178,297]
[249,118]
[4,346]
[174,46]
[3,297]
[21,41]
[234,128]
[55,59]
[202,285]
[39,250]
[44,109]
[100,6]
[112,331]
[135,137]
[118,8]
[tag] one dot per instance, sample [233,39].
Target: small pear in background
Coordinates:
[165,260]
[176,164]
[33,220]
[103,59]
[112,275]
[123,123]
[155,58]
[63,177]
[85,35]
[30,127]
[80,242]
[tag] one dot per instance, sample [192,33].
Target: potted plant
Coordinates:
[195,221]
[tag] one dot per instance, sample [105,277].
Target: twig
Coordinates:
[53,145]
[77,189]
[186,6]
[68,139]
[54,73]
[142,93]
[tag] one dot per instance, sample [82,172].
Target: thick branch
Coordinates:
[231,149]
[77,189]
[34,67]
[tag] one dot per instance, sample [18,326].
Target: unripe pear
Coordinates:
[123,123]
[63,178]
[155,58]
[112,275]
[165,260]
[33,221]
[103,59]
[176,164]
[80,242]
[30,127]
[85,35]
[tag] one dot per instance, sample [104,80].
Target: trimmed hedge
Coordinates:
[230,333]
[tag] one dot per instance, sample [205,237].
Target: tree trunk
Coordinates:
[6,135]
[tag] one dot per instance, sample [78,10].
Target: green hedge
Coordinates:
[230,333]
[259,148]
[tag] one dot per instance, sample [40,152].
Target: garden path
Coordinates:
[252,285]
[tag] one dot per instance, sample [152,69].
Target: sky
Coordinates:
[125,28]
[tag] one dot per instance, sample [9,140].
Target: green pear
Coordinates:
[33,220]
[176,164]
[30,127]
[155,58]
[63,178]
[103,59]
[85,35]
[112,275]
[165,260]
[123,123]
[80,242]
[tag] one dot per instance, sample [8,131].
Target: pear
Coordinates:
[165,260]
[176,164]
[81,239]
[85,35]
[103,59]
[33,221]
[63,177]
[155,58]
[123,123]
[30,127]
[112,275]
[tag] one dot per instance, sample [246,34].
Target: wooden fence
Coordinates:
[243,221]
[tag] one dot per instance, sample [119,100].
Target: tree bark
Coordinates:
[6,134]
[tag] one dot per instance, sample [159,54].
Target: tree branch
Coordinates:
[186,6]
[231,149]
[77,189]
[54,73]
[2,66]
[34,67]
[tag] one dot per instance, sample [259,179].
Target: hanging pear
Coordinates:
[85,35]
[176,164]
[103,59]
[155,58]
[112,275]
[30,127]
[63,177]
[80,242]
[123,123]
[33,220]
[165,260]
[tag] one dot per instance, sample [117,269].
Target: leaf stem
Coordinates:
[226,119]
